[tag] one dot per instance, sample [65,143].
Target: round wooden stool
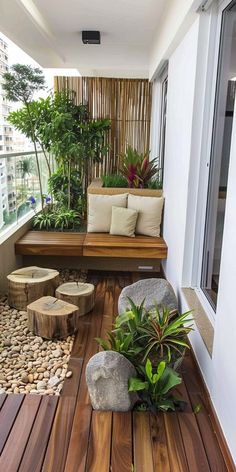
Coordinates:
[78,293]
[51,318]
[30,283]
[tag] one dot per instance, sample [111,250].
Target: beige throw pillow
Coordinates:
[123,221]
[149,214]
[99,211]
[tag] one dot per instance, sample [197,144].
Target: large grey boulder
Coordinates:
[107,375]
[155,291]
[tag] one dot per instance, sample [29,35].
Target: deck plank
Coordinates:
[176,452]
[121,454]
[3,397]
[197,398]
[143,458]
[39,436]
[99,442]
[159,443]
[76,457]
[48,434]
[8,415]
[192,441]
[19,435]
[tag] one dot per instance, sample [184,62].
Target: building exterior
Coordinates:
[7,166]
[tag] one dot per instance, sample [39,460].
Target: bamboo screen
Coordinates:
[126,102]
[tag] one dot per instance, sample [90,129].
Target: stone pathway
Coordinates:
[28,363]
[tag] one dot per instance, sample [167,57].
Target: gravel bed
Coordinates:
[28,363]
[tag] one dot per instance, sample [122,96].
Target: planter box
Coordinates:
[97,188]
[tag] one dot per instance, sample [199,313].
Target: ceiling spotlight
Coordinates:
[91,37]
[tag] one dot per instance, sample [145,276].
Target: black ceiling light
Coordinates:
[91,37]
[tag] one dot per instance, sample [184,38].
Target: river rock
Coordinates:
[155,292]
[107,375]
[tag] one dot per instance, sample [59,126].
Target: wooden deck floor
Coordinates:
[52,434]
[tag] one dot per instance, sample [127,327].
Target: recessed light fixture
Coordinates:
[91,37]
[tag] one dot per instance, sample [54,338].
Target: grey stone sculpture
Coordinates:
[107,375]
[153,290]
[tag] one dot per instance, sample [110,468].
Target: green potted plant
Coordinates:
[137,175]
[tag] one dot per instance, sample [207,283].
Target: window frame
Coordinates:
[209,67]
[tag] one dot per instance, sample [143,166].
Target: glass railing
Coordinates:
[20,187]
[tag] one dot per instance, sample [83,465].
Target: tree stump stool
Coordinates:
[51,318]
[30,283]
[78,293]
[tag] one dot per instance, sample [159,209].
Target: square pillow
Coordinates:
[123,221]
[149,214]
[99,211]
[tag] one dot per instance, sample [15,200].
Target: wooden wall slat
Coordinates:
[126,102]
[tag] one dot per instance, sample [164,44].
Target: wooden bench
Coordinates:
[43,243]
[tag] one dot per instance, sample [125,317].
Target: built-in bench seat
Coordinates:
[46,243]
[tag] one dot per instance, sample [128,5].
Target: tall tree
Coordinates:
[20,85]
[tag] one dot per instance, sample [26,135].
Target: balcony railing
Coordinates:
[20,187]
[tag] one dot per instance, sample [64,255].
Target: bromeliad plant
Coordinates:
[165,334]
[159,333]
[154,385]
[137,169]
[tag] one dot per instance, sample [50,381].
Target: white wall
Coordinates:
[176,20]
[181,82]
[183,111]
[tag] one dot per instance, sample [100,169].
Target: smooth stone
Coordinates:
[69,374]
[107,376]
[53,381]
[155,292]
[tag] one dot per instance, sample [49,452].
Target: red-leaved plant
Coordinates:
[137,168]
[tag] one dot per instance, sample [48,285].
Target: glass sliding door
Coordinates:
[164,87]
[220,154]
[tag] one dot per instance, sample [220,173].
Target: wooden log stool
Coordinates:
[30,283]
[78,293]
[51,318]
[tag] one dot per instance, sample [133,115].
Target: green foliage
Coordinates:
[67,219]
[58,185]
[159,333]
[60,219]
[165,333]
[114,180]
[120,342]
[154,184]
[132,319]
[44,220]
[137,169]
[20,84]
[154,386]
[22,81]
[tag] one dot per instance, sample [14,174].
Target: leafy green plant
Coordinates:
[120,342]
[154,184]
[58,186]
[67,219]
[114,180]
[132,319]
[137,169]
[44,220]
[165,333]
[20,84]
[160,334]
[154,386]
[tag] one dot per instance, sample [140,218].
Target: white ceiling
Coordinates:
[50,31]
